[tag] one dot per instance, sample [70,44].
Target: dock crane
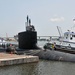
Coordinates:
[60,31]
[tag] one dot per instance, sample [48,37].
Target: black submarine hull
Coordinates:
[55,56]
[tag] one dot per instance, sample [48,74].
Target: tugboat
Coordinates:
[66,43]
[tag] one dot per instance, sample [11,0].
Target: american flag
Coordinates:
[73,19]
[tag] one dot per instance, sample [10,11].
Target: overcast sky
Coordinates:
[45,16]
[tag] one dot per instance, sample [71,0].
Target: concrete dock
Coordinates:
[12,59]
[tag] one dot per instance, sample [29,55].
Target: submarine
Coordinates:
[28,45]
[28,39]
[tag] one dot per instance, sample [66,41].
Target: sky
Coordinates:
[45,15]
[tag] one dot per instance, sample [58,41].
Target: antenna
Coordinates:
[27,20]
[27,23]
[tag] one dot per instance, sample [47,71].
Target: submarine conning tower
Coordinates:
[28,38]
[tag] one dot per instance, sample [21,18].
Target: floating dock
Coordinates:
[13,59]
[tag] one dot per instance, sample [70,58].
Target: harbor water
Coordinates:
[43,67]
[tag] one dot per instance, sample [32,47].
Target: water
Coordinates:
[43,67]
[41,43]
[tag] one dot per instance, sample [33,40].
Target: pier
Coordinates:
[13,59]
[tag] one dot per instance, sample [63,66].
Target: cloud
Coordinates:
[57,19]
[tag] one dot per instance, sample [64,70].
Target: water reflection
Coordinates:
[56,68]
[24,69]
[43,67]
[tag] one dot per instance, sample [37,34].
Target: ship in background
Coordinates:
[2,41]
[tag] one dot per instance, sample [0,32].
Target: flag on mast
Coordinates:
[74,19]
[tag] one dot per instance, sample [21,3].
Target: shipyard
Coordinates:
[37,37]
[25,50]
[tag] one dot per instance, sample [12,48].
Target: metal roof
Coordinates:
[70,33]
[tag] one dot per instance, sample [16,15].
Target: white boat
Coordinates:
[65,43]
[68,39]
[2,41]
